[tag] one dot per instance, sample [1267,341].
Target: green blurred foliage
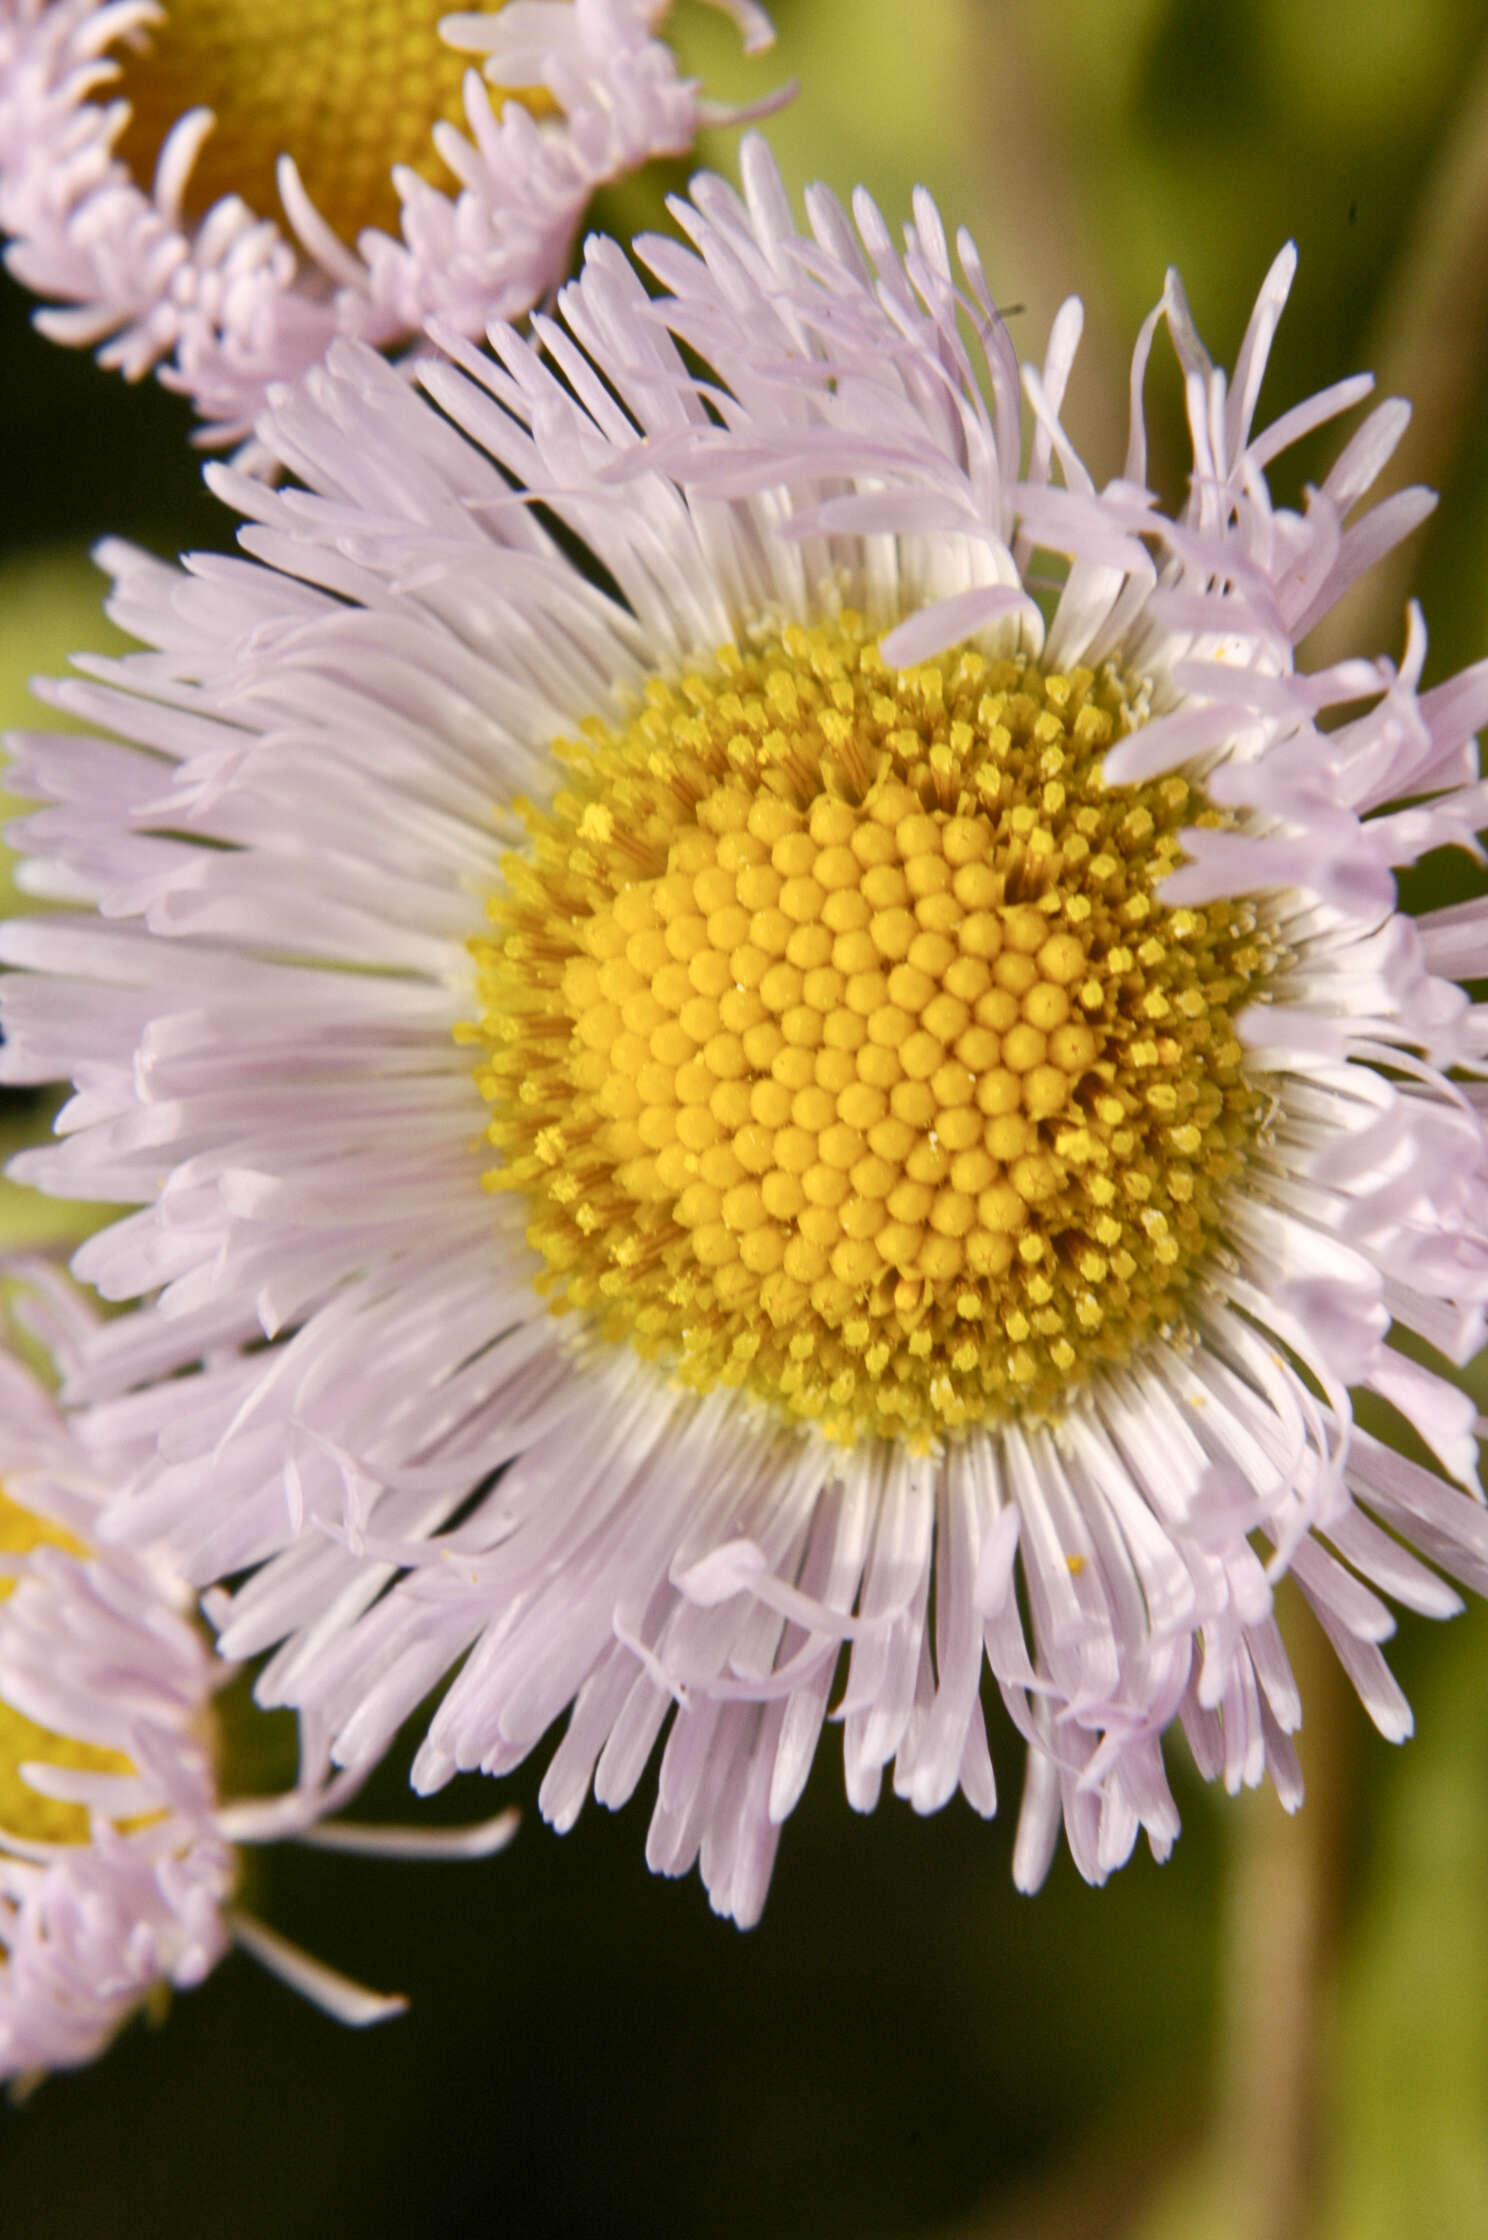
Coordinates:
[904,2048]
[49,606]
[1408,2142]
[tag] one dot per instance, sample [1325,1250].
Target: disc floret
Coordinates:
[348,92]
[835,1030]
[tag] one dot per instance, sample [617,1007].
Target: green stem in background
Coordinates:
[1277,1964]
[1429,343]
[1263,2170]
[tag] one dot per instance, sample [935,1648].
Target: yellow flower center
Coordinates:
[347,87]
[23,1811]
[837,1036]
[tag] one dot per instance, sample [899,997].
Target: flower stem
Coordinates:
[1280,1940]
[1428,343]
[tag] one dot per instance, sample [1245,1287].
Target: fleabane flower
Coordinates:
[218,189]
[802,1050]
[120,1855]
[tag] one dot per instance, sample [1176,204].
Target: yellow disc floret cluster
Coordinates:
[24,1811]
[840,1042]
[346,87]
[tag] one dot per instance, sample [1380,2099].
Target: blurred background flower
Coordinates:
[1284,2031]
[148,155]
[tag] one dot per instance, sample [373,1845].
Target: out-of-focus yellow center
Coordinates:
[836,1034]
[23,1812]
[347,87]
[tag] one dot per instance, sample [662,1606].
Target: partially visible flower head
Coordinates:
[119,1854]
[219,189]
[883,1103]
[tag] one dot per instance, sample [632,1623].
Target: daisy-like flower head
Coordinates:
[218,189]
[119,1856]
[837,1082]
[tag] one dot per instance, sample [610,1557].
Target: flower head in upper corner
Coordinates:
[119,1858]
[148,147]
[842,1079]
